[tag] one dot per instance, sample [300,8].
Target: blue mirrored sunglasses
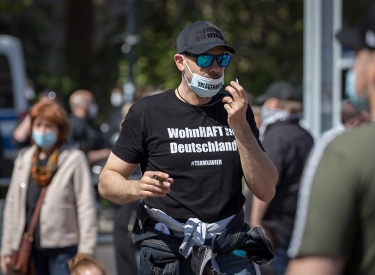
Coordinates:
[206,60]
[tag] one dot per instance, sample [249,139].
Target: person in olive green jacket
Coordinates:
[334,229]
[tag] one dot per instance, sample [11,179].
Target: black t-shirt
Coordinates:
[195,146]
[288,146]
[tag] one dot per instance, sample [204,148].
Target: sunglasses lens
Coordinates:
[223,60]
[205,60]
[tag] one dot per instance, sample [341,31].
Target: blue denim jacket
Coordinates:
[160,252]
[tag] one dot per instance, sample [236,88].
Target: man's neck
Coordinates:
[184,93]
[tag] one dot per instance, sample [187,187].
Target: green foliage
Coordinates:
[267,34]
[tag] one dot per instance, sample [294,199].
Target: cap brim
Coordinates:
[260,99]
[203,48]
[350,38]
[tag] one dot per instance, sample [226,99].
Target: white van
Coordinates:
[13,101]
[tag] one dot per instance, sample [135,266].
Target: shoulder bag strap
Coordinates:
[34,219]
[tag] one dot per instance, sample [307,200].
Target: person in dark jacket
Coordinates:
[288,146]
[84,130]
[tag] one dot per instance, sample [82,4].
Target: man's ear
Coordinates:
[178,58]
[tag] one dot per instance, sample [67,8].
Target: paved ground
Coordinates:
[105,253]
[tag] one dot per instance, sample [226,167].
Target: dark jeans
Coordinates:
[53,261]
[228,263]
[281,260]
[160,253]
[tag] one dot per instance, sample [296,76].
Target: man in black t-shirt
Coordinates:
[193,145]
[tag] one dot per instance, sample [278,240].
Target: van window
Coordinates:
[6,88]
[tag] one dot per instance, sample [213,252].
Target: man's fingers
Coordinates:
[154,188]
[238,88]
[162,181]
[237,91]
[233,92]
[144,194]
[154,184]
[228,100]
[159,177]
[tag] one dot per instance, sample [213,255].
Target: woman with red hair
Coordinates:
[67,219]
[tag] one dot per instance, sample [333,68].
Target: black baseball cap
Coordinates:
[278,89]
[362,37]
[199,37]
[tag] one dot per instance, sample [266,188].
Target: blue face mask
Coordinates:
[44,140]
[358,102]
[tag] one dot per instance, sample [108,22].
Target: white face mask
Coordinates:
[358,102]
[116,99]
[269,116]
[203,86]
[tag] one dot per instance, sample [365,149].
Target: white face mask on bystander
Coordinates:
[269,116]
[116,99]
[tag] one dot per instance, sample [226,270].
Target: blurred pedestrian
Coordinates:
[350,117]
[84,264]
[67,220]
[126,250]
[194,146]
[20,135]
[84,129]
[288,146]
[143,91]
[334,231]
